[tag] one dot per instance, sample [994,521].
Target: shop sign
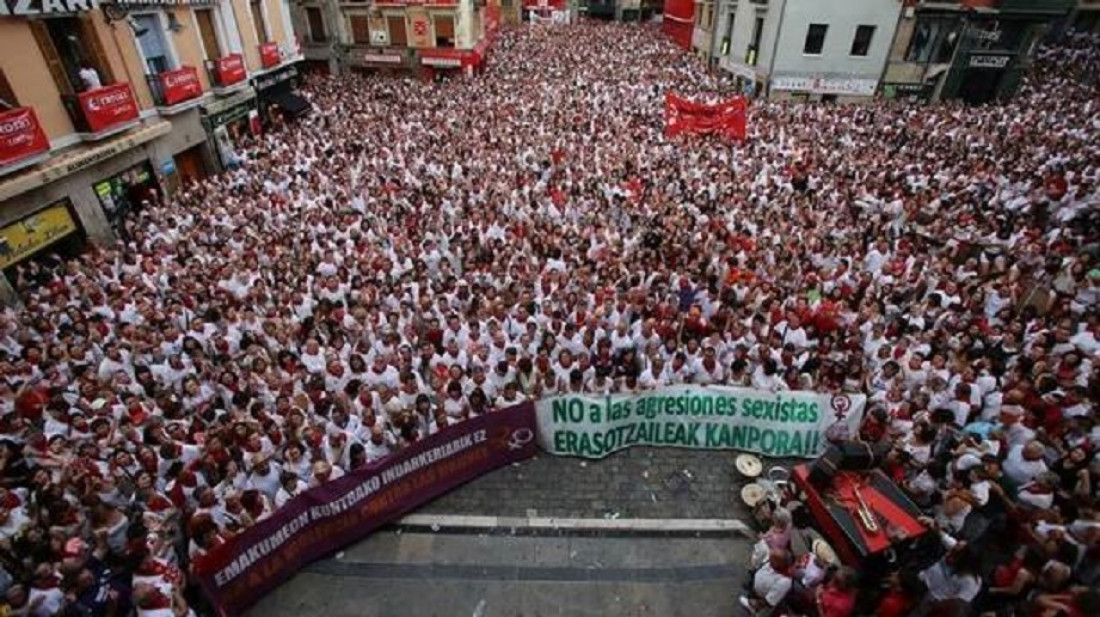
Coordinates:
[449,58]
[383,58]
[230,69]
[10,8]
[442,63]
[28,236]
[61,166]
[231,114]
[270,55]
[21,136]
[108,106]
[897,90]
[989,61]
[851,86]
[264,82]
[180,85]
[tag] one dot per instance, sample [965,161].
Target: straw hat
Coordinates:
[752,494]
[824,553]
[748,465]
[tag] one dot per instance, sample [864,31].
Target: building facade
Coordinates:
[974,50]
[400,35]
[1086,16]
[106,107]
[804,49]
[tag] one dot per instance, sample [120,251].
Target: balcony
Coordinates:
[22,140]
[270,56]
[102,112]
[175,91]
[227,75]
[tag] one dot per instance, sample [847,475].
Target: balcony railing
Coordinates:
[103,111]
[270,56]
[227,72]
[22,139]
[172,88]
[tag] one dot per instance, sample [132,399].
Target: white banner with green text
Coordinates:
[780,424]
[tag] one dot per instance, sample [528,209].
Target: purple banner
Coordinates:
[325,518]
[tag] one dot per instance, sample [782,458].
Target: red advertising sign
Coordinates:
[725,117]
[231,70]
[269,55]
[447,58]
[327,517]
[180,85]
[21,136]
[108,106]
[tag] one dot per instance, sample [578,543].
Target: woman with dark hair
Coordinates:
[479,403]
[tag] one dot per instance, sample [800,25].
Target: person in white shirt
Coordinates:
[771,583]
[90,78]
[290,487]
[791,331]
[1024,463]
[265,476]
[708,369]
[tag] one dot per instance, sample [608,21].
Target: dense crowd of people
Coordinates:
[414,254]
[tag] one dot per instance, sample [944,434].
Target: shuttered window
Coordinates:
[444,31]
[360,29]
[316,24]
[208,33]
[258,20]
[396,25]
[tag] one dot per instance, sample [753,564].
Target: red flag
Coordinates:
[679,21]
[725,117]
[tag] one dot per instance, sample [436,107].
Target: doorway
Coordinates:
[980,85]
[190,165]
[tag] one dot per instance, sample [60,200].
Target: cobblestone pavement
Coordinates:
[424,574]
[415,572]
[634,483]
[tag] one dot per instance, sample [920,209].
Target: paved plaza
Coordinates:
[512,569]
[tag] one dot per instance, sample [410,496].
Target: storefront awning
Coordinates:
[290,103]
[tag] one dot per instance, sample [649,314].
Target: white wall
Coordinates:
[842,17]
[745,13]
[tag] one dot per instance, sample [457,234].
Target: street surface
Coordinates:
[517,571]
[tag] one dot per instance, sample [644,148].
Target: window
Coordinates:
[754,47]
[70,46]
[934,40]
[444,31]
[861,44]
[316,24]
[815,39]
[729,31]
[208,33]
[7,95]
[150,37]
[396,26]
[258,20]
[360,29]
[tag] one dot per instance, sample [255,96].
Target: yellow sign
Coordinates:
[28,236]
